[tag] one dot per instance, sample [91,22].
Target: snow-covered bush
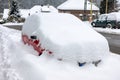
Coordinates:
[14,14]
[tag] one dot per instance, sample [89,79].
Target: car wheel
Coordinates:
[93,24]
[109,26]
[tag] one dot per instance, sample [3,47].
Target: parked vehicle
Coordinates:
[65,37]
[111,20]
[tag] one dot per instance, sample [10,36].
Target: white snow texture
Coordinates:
[17,62]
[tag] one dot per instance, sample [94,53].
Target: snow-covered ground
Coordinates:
[108,30]
[7,72]
[12,24]
[17,62]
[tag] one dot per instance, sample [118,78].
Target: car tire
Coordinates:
[93,24]
[109,26]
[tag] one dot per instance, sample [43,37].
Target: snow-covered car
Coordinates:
[64,37]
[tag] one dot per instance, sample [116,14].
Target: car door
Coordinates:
[103,22]
[99,21]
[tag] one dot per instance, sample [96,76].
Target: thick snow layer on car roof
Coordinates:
[67,37]
[114,16]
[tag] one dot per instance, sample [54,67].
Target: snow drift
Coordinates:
[19,64]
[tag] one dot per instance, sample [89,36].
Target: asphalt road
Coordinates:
[114,42]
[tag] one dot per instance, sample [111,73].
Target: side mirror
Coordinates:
[33,37]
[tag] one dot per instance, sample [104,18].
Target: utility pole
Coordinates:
[114,4]
[106,10]
[90,18]
[85,8]
[8,4]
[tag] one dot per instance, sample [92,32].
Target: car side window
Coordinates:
[33,37]
[111,17]
[103,17]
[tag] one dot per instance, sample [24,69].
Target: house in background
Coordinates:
[76,7]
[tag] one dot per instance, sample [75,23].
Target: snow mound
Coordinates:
[7,72]
[25,66]
[67,37]
[108,31]
[15,64]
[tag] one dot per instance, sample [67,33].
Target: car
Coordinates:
[65,37]
[111,20]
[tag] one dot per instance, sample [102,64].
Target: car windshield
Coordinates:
[103,17]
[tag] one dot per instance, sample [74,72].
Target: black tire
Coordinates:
[103,26]
[93,24]
[109,26]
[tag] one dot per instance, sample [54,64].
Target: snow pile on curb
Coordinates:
[107,30]
[16,60]
[12,24]
[6,71]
